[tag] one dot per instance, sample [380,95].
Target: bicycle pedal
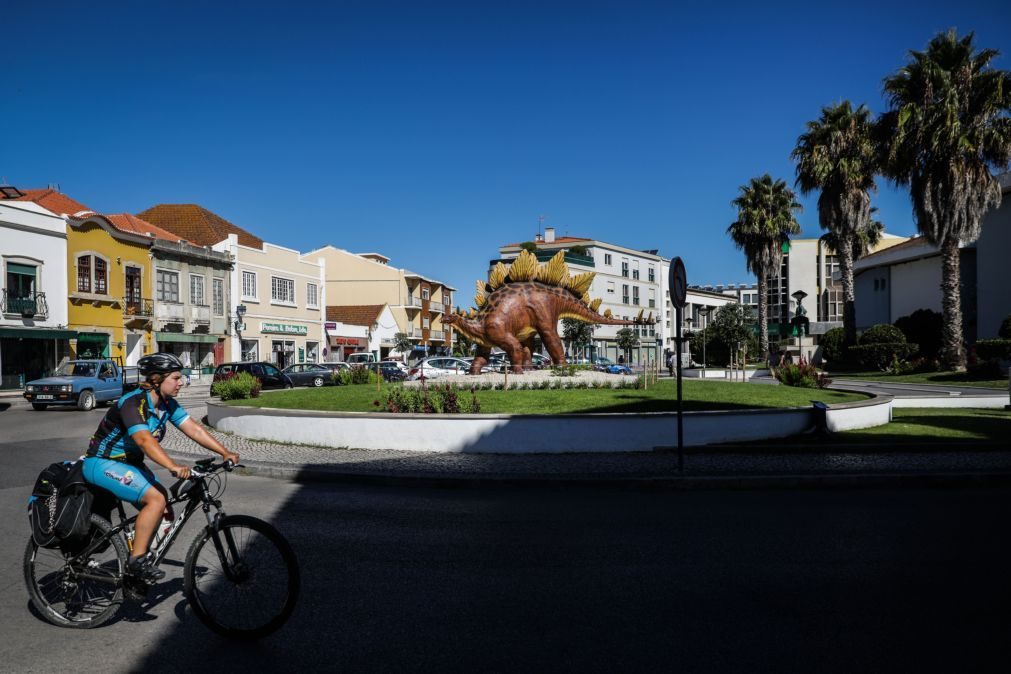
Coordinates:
[135,590]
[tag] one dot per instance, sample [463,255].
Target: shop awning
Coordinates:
[38,333]
[185,337]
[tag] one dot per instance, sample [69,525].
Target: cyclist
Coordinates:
[131,430]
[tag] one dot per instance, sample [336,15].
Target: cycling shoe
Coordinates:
[142,568]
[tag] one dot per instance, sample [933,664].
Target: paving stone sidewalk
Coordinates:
[747,463]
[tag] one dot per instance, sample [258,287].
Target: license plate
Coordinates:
[43,397]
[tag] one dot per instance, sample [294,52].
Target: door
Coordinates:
[109,385]
[134,348]
[133,298]
[219,353]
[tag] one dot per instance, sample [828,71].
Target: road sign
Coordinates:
[678,283]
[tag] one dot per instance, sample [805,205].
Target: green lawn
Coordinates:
[659,398]
[939,378]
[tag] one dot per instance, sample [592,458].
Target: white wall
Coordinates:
[32,235]
[915,285]
[993,270]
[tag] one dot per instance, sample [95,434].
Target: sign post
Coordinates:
[679,296]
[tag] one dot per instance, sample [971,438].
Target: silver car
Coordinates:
[438,366]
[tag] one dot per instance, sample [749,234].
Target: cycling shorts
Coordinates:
[128,482]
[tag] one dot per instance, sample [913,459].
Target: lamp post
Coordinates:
[704,319]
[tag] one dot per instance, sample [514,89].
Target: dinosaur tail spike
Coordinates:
[595,304]
[607,313]
[498,275]
[586,299]
[580,283]
[479,297]
[638,319]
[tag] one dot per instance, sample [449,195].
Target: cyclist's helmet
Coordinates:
[159,363]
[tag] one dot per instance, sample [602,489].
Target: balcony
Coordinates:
[169,312]
[31,305]
[414,302]
[437,334]
[136,308]
[200,314]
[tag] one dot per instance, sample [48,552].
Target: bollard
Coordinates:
[820,417]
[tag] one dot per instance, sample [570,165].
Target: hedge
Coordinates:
[881,356]
[993,349]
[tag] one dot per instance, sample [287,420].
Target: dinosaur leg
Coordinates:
[553,343]
[514,350]
[528,353]
[480,359]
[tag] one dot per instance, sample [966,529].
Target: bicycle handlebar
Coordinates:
[207,466]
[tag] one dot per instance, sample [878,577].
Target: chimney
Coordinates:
[538,238]
[549,235]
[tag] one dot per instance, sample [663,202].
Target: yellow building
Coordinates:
[109,269]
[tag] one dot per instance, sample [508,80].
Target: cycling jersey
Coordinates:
[131,413]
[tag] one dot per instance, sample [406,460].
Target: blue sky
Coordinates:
[435,132]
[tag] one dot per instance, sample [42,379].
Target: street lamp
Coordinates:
[704,319]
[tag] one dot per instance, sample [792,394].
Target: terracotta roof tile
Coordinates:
[131,224]
[53,201]
[197,224]
[355,314]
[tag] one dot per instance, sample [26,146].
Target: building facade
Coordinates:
[993,273]
[626,281]
[417,303]
[357,328]
[34,336]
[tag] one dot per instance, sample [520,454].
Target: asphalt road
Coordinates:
[574,579]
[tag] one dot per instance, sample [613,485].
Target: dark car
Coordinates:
[309,374]
[267,373]
[391,371]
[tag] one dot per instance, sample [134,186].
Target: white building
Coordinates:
[626,281]
[358,328]
[33,290]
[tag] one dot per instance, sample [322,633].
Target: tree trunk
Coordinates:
[849,296]
[763,315]
[952,353]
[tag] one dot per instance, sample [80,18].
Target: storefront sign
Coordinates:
[347,341]
[330,327]
[284,328]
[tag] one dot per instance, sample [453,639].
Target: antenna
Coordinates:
[540,224]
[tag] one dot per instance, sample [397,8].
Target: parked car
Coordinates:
[617,369]
[602,363]
[267,373]
[391,371]
[470,362]
[438,366]
[309,374]
[363,358]
[84,383]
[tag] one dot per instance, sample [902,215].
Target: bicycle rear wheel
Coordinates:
[79,590]
[243,580]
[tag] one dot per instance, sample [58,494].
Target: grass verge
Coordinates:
[937,378]
[659,398]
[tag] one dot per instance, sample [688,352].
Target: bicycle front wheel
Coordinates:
[242,580]
[80,588]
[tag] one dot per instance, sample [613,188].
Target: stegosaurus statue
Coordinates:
[526,299]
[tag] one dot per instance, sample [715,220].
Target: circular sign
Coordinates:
[678,283]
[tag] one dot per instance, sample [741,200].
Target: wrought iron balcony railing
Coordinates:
[139,307]
[27,305]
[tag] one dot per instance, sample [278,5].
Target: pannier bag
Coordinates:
[59,509]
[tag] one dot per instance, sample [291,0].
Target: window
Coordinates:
[635,269]
[250,350]
[196,289]
[311,295]
[652,274]
[218,296]
[624,267]
[635,294]
[84,274]
[424,322]
[167,286]
[20,281]
[607,259]
[652,297]
[424,293]
[312,351]
[624,293]
[282,290]
[249,285]
[101,276]
[447,297]
[610,287]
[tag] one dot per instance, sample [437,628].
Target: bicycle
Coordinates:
[241,577]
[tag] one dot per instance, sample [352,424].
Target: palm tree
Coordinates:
[837,156]
[946,128]
[765,221]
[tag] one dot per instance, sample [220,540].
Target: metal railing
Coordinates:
[27,306]
[413,301]
[141,307]
[437,334]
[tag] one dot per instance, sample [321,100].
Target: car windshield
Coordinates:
[76,370]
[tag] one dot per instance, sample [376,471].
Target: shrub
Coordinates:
[440,399]
[923,327]
[1005,328]
[833,346]
[993,349]
[881,356]
[803,375]
[356,374]
[567,370]
[882,333]
[237,386]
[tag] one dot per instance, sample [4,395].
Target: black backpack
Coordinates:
[59,509]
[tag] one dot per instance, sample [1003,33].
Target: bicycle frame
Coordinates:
[197,496]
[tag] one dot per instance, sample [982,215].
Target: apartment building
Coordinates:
[810,267]
[626,281]
[417,303]
[276,297]
[34,336]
